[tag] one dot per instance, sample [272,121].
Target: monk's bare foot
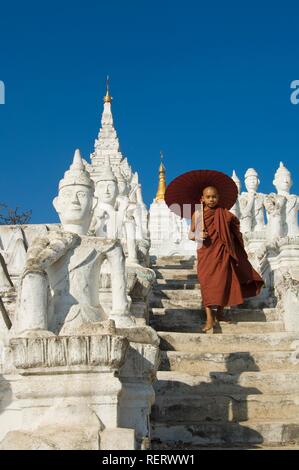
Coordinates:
[208,327]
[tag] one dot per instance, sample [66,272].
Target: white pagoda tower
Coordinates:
[168,232]
[107,145]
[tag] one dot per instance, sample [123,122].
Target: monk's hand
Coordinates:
[191,236]
[203,234]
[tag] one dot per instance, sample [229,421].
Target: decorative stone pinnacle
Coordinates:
[235,177]
[162,182]
[162,167]
[107,97]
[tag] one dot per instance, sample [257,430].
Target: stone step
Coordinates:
[170,261]
[165,284]
[175,302]
[176,317]
[194,303]
[235,408]
[227,434]
[182,386]
[197,342]
[254,314]
[175,265]
[205,362]
[176,274]
[249,327]
[185,324]
[189,300]
[180,295]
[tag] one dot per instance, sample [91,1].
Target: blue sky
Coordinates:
[207,82]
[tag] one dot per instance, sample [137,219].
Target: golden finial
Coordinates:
[162,181]
[161,167]
[107,97]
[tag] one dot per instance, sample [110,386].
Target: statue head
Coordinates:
[251,180]
[106,187]
[282,180]
[121,183]
[74,203]
[236,179]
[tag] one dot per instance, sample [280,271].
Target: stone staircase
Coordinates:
[236,388]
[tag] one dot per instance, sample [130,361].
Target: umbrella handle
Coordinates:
[202,219]
[200,234]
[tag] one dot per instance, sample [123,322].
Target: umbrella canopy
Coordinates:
[187,189]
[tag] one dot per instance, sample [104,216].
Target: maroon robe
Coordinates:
[225,275]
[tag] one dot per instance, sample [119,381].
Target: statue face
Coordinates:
[106,191]
[74,204]
[283,182]
[252,183]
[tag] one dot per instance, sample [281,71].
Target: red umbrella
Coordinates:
[187,189]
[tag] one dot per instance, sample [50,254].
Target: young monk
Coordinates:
[225,275]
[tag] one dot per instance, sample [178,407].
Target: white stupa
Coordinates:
[168,232]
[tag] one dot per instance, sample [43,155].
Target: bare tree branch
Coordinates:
[9,216]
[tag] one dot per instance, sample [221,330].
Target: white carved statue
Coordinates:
[59,291]
[252,204]
[105,222]
[122,202]
[283,183]
[114,215]
[282,207]
[126,170]
[136,201]
[144,211]
[139,213]
[275,209]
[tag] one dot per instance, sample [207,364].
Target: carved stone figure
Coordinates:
[105,223]
[252,204]
[122,202]
[60,284]
[275,208]
[283,183]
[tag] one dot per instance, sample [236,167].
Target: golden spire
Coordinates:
[162,181]
[107,97]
